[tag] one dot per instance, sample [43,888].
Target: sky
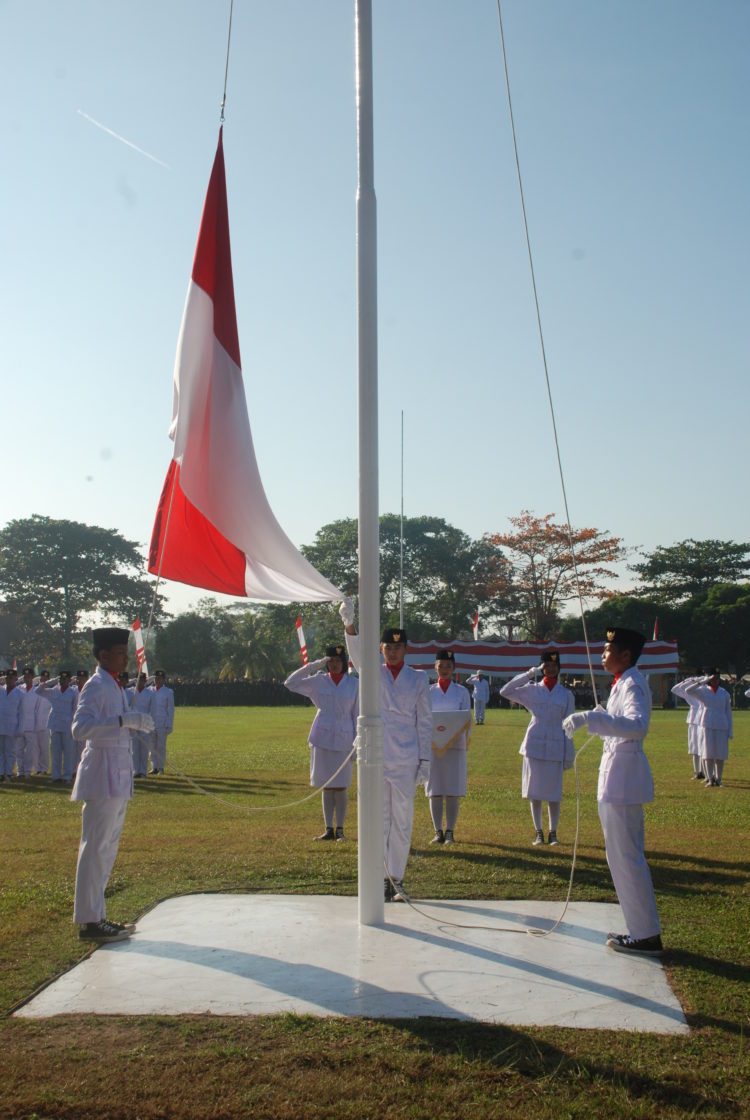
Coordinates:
[631,120]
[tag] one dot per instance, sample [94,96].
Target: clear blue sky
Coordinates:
[632,127]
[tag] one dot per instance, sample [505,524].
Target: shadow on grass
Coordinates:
[506,1049]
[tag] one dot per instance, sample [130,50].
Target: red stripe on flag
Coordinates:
[195,552]
[212,266]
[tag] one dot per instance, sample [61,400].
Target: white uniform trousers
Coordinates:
[41,753]
[102,819]
[141,743]
[624,841]
[25,752]
[479,707]
[7,754]
[159,748]
[62,751]
[398,817]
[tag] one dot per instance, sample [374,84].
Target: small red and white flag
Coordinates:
[140,649]
[301,637]
[656,630]
[476,626]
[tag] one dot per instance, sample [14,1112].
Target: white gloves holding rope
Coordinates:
[137,721]
[346,610]
[572,723]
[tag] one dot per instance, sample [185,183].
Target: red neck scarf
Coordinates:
[550,682]
[445,685]
[395,669]
[713,687]
[336,677]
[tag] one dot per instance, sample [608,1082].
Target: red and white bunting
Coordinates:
[140,649]
[301,636]
[476,627]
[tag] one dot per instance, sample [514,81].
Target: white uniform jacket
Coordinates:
[481,688]
[624,772]
[162,708]
[335,725]
[681,689]
[406,713]
[61,706]
[10,711]
[715,707]
[544,736]
[29,705]
[106,766]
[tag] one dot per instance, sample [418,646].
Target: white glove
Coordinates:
[423,773]
[534,672]
[319,664]
[346,610]
[138,721]
[572,723]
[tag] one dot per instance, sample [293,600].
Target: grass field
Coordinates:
[177,840]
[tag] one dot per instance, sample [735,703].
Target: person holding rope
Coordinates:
[625,785]
[546,749]
[447,781]
[336,696]
[104,782]
[407,744]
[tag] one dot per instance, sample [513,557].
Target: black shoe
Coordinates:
[340,838]
[642,947]
[104,931]
[439,837]
[399,894]
[329,834]
[448,837]
[388,890]
[538,838]
[553,841]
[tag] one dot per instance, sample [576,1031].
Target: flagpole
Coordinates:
[369,724]
[401,583]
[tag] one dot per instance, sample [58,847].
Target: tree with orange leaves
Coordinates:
[544,572]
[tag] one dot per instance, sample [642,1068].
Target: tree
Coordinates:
[70,570]
[720,630]
[446,574]
[188,646]
[690,567]
[543,567]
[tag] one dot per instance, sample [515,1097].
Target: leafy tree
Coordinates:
[543,567]
[690,567]
[446,574]
[720,628]
[624,610]
[188,646]
[70,570]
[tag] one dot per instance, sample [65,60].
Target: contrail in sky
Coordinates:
[122,139]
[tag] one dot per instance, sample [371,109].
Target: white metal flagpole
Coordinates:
[369,724]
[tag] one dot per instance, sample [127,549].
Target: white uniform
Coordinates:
[335,725]
[10,716]
[448,767]
[714,720]
[26,739]
[104,783]
[62,705]
[693,716]
[481,695]
[546,749]
[42,733]
[142,741]
[162,713]
[625,785]
[407,741]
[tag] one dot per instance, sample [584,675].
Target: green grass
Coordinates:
[177,840]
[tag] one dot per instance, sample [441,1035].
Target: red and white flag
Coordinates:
[655,638]
[301,637]
[140,649]
[476,627]
[214,527]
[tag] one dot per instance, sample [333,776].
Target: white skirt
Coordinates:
[714,743]
[541,780]
[325,763]
[447,774]
[693,743]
